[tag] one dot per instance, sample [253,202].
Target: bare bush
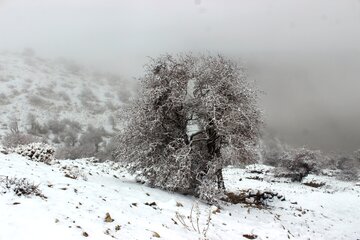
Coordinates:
[356,155]
[65,130]
[193,221]
[109,149]
[69,137]
[298,163]
[70,131]
[74,172]
[19,186]
[35,128]
[15,139]
[93,136]
[87,145]
[349,168]
[14,125]
[39,152]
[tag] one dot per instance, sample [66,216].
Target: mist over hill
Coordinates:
[57,89]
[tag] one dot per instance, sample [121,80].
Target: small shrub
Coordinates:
[35,127]
[194,221]
[3,150]
[345,163]
[298,163]
[349,168]
[70,138]
[39,152]
[67,131]
[349,175]
[74,172]
[19,186]
[14,125]
[109,149]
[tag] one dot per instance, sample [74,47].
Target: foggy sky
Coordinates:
[304,54]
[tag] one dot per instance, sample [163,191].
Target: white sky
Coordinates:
[125,31]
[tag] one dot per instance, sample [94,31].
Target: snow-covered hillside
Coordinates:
[68,208]
[55,89]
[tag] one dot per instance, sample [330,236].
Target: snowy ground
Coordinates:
[76,208]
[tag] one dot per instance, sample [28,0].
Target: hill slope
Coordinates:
[68,208]
[55,89]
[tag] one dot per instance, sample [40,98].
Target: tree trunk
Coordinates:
[220,179]
[214,152]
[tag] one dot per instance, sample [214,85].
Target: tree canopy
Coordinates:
[192,116]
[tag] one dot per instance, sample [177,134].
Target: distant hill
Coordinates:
[56,89]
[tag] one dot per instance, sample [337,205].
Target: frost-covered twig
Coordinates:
[194,220]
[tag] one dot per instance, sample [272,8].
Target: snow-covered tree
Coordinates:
[192,116]
[300,162]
